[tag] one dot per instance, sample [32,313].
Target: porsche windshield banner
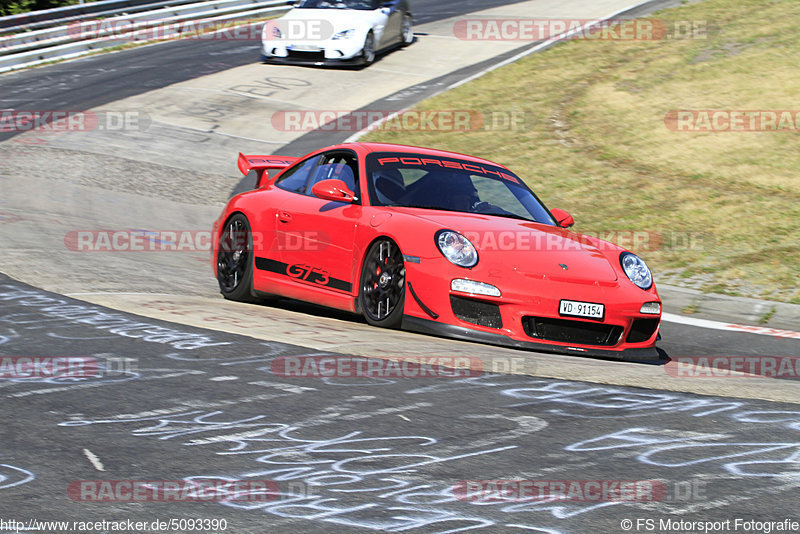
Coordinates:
[394,161]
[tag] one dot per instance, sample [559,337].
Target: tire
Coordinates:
[235,260]
[368,52]
[407,32]
[383,285]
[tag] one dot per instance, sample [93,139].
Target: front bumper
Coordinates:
[651,355]
[526,315]
[275,60]
[344,52]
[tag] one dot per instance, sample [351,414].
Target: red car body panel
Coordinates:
[313,250]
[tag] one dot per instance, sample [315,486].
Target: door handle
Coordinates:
[284,216]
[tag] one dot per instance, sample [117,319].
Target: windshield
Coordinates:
[417,181]
[341,4]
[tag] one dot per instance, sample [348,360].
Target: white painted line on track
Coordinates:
[729,327]
[95,461]
[545,44]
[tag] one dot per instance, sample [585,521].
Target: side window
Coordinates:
[295,179]
[341,166]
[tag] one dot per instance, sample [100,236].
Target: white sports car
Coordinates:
[336,32]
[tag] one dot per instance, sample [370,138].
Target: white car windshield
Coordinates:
[340,4]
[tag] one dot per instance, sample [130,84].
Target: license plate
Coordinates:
[581,309]
[305,48]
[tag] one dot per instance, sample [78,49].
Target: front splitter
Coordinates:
[649,355]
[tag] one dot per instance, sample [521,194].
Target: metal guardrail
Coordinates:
[59,16]
[44,16]
[76,36]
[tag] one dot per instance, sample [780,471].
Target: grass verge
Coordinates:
[726,205]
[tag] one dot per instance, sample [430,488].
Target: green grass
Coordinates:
[595,142]
[15,7]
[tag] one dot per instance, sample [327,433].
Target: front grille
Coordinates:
[476,311]
[642,330]
[569,331]
[306,56]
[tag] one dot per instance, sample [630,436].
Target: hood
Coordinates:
[341,19]
[531,249]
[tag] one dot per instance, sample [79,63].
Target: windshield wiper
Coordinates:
[509,216]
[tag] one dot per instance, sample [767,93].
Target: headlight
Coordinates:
[276,32]
[346,34]
[456,248]
[471,286]
[636,269]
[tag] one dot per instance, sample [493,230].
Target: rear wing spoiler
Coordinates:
[262,163]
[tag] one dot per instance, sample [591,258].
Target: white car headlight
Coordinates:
[636,269]
[456,248]
[276,32]
[345,34]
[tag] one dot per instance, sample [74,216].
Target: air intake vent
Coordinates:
[642,330]
[477,311]
[568,331]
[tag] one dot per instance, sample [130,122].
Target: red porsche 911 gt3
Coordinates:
[436,242]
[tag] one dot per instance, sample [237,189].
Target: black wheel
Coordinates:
[235,260]
[368,52]
[383,285]
[408,31]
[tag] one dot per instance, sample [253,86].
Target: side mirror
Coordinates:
[563,218]
[332,189]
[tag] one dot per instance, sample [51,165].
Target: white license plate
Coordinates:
[581,309]
[305,48]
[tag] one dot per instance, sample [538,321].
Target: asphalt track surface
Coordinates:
[174,403]
[351,454]
[91,82]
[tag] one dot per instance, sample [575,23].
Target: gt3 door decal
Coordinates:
[307,273]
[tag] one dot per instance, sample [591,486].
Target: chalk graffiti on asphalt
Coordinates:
[11,476]
[50,312]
